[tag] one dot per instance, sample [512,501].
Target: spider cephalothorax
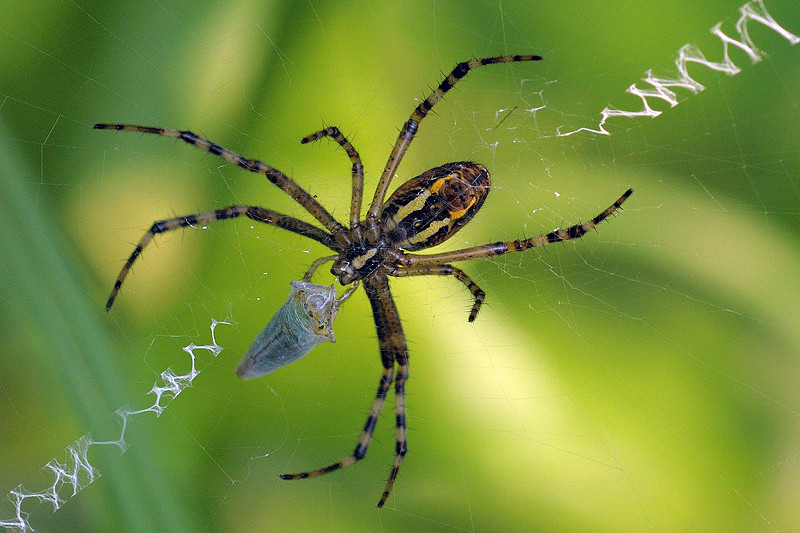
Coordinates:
[423,212]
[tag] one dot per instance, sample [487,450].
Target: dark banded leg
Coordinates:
[357,170]
[393,348]
[447,270]
[259,214]
[366,435]
[410,128]
[392,342]
[400,445]
[275,176]
[499,248]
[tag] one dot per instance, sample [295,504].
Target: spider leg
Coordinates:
[410,127]
[401,444]
[393,349]
[357,171]
[366,434]
[499,248]
[275,176]
[446,270]
[316,264]
[259,214]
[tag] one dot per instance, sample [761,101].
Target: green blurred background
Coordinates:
[643,378]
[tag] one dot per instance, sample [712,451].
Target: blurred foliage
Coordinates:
[643,378]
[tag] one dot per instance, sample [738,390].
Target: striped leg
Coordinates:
[392,342]
[275,176]
[447,270]
[357,171]
[393,349]
[400,445]
[366,435]
[259,214]
[499,248]
[410,128]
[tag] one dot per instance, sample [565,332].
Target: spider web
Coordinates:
[643,377]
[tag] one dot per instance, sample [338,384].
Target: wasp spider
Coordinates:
[423,212]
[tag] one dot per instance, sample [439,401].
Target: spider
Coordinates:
[423,212]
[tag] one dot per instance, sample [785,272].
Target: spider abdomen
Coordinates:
[430,208]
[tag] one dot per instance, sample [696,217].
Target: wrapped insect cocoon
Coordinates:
[303,322]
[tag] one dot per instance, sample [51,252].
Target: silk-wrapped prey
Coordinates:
[303,322]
